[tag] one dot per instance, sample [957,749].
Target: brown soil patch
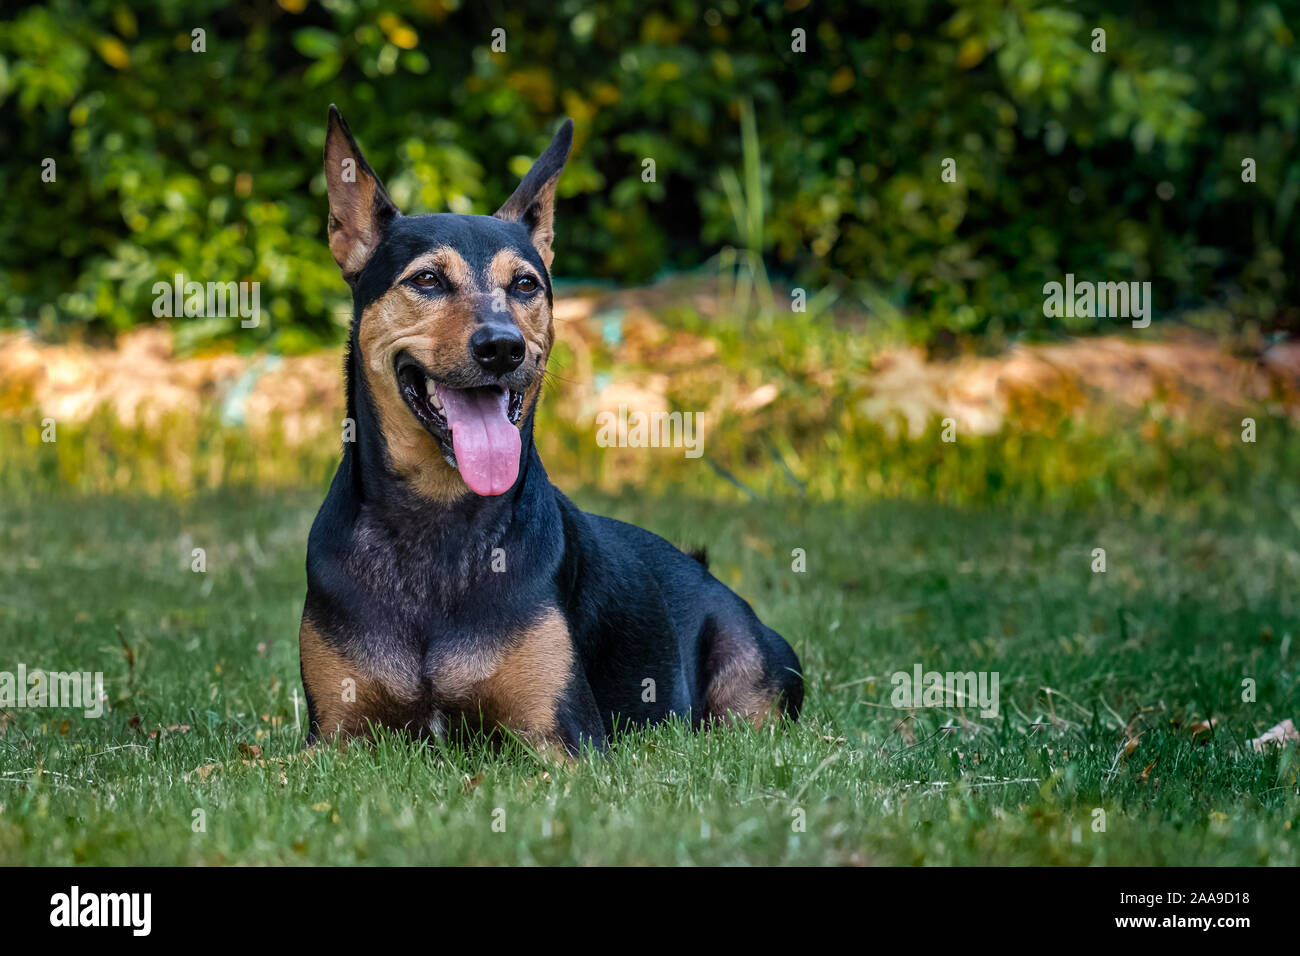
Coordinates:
[142,380]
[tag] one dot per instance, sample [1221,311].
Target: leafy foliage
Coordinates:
[1122,165]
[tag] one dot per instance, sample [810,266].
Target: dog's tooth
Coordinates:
[432,389]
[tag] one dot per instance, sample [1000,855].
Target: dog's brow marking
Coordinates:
[503,268]
[445,259]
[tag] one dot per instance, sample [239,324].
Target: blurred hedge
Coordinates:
[1120,166]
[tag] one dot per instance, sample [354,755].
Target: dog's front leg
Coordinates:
[538,690]
[579,725]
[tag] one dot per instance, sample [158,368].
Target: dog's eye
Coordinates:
[426,279]
[526,284]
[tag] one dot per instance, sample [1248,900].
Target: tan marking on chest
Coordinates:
[517,686]
[344,695]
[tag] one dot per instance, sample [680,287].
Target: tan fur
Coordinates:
[533,317]
[525,687]
[352,235]
[737,689]
[324,671]
[516,685]
[543,233]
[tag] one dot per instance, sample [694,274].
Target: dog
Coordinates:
[451,588]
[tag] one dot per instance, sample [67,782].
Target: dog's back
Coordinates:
[626,588]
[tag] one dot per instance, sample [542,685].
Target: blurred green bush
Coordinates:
[1123,165]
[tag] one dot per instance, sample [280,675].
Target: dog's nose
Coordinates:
[498,348]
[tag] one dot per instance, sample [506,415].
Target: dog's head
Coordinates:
[452,318]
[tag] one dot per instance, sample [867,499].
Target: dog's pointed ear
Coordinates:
[360,209]
[533,203]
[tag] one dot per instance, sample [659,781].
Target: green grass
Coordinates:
[1189,606]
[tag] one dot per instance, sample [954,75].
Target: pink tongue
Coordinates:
[486,444]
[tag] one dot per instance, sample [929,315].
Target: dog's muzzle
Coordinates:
[476,426]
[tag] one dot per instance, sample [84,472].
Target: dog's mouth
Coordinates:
[475,427]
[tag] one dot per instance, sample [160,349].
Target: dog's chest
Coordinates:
[436,653]
[513,680]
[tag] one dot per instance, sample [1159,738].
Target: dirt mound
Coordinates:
[141,379]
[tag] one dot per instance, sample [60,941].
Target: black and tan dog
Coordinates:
[450,585]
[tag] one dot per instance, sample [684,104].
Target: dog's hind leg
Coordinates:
[747,671]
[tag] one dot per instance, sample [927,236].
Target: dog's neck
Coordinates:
[431,525]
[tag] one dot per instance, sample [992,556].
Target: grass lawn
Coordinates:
[1088,663]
